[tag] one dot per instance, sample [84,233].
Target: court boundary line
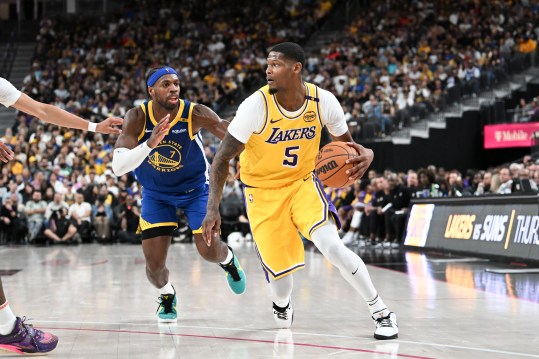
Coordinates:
[259,341]
[461,347]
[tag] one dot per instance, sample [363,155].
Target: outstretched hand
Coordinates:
[6,154]
[361,162]
[109,126]
[211,226]
[159,132]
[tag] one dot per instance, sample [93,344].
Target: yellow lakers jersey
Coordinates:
[284,150]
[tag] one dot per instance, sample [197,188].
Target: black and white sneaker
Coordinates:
[386,327]
[283,316]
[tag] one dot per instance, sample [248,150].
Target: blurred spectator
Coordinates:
[395,216]
[13,190]
[495,182]
[57,203]
[35,212]
[527,45]
[102,215]
[381,203]
[13,220]
[231,208]
[364,196]
[522,183]
[80,214]
[524,112]
[505,181]
[129,222]
[412,182]
[455,184]
[483,187]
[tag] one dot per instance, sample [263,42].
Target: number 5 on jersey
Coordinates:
[291,156]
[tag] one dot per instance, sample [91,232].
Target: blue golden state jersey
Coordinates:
[178,163]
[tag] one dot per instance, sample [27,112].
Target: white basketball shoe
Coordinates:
[283,316]
[386,327]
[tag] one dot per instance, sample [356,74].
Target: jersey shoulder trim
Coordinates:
[144,107]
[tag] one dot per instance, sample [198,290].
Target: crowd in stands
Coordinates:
[527,111]
[396,62]
[390,63]
[97,67]
[60,187]
[401,60]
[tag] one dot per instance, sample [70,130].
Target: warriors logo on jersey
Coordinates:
[167,157]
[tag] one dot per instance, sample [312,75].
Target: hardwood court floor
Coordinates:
[97,300]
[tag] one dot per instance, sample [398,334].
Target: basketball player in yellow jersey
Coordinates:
[278,129]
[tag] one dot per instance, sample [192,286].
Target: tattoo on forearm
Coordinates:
[230,147]
[219,172]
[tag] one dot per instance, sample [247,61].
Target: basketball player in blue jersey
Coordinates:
[162,144]
[15,335]
[277,130]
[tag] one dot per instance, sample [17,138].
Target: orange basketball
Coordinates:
[331,164]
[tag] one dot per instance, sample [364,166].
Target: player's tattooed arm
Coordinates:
[204,117]
[230,148]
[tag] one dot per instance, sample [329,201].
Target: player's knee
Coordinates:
[155,266]
[332,250]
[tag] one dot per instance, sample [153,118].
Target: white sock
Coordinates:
[228,257]
[356,219]
[281,290]
[7,319]
[167,289]
[378,308]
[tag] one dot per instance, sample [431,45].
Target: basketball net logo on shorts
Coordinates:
[166,157]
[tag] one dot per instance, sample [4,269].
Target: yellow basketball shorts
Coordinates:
[277,215]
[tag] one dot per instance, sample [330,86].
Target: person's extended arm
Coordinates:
[204,117]
[230,148]
[128,154]
[57,116]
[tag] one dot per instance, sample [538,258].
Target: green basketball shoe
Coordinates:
[166,312]
[234,274]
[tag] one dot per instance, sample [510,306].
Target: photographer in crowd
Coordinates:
[60,229]
[129,221]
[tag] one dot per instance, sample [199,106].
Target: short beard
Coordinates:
[273,91]
[165,104]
